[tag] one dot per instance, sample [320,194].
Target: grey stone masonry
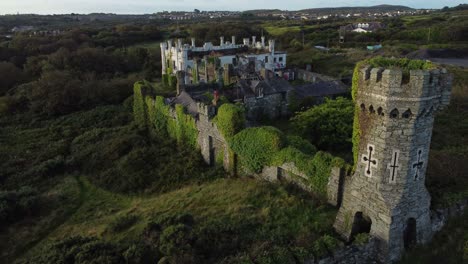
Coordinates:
[388,189]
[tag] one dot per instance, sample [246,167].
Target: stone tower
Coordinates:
[387,196]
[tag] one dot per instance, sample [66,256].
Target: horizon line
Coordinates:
[227,10]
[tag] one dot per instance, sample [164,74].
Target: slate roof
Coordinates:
[187,101]
[320,89]
[270,86]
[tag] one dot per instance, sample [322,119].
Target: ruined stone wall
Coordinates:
[269,106]
[312,77]
[213,145]
[395,122]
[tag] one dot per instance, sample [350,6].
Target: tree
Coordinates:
[55,93]
[328,126]
[11,76]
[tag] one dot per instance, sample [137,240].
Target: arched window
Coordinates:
[407,114]
[394,113]
[363,107]
[371,109]
[380,111]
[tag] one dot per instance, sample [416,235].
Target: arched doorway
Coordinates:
[409,235]
[361,224]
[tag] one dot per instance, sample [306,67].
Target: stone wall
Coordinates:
[353,254]
[312,77]
[213,145]
[439,217]
[395,122]
[270,106]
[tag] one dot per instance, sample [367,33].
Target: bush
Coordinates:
[361,239]
[329,125]
[230,120]
[256,146]
[79,250]
[15,205]
[122,223]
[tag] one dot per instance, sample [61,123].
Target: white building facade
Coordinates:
[181,57]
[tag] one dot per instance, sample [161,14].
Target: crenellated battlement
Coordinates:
[393,126]
[394,94]
[394,83]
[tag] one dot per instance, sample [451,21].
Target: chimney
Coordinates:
[263,42]
[169,44]
[193,42]
[246,41]
[221,41]
[271,46]
[233,42]
[254,42]
[179,43]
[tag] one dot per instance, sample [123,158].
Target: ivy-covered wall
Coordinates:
[256,147]
[161,119]
[139,109]
[260,147]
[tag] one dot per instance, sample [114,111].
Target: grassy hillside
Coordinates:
[93,175]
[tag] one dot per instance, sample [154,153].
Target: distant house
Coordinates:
[20,29]
[364,27]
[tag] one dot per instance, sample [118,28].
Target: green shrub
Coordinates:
[324,245]
[361,239]
[15,205]
[301,144]
[139,106]
[79,250]
[122,223]
[328,126]
[257,145]
[176,240]
[230,120]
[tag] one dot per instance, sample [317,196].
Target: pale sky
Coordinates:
[152,6]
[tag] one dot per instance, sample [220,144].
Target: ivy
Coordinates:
[187,128]
[317,167]
[257,145]
[139,109]
[154,114]
[160,119]
[230,120]
[195,75]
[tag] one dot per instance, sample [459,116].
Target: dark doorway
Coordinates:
[409,235]
[212,151]
[361,224]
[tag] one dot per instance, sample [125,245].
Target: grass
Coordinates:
[268,211]
[449,246]
[449,146]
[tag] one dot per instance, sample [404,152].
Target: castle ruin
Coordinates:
[387,196]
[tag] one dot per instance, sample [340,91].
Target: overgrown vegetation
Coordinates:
[449,246]
[230,120]
[328,126]
[161,120]
[81,183]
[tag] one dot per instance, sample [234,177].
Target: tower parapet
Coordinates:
[387,196]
